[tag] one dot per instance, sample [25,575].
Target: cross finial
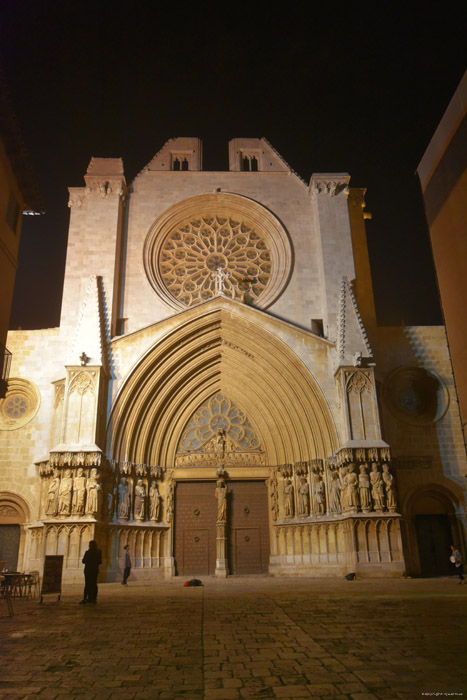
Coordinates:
[219,276]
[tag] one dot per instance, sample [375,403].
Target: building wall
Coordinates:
[443,177]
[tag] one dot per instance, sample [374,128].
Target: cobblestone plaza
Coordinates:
[240,638]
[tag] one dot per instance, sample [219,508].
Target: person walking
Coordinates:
[91,560]
[127,565]
[456,559]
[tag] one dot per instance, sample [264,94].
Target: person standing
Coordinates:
[127,566]
[456,559]
[91,560]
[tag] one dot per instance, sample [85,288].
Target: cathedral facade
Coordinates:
[218,394]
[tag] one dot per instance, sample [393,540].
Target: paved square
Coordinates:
[240,638]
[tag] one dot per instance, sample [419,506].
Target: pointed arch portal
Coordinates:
[220,351]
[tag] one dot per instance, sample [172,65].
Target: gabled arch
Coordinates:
[220,350]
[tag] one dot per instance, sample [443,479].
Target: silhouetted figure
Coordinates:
[91,560]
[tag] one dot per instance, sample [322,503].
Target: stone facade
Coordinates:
[218,394]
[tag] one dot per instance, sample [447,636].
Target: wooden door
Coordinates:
[434,540]
[248,529]
[195,528]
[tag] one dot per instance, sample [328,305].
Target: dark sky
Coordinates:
[344,90]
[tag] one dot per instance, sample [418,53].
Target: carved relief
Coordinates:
[52,495]
[219,432]
[289,498]
[140,500]
[170,497]
[303,497]
[124,499]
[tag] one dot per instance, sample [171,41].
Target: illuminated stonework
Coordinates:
[213,238]
[20,404]
[193,252]
[218,414]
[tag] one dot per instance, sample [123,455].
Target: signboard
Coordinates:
[52,576]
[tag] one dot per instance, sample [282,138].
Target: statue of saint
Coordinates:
[343,487]
[351,481]
[94,493]
[51,503]
[303,494]
[154,502]
[220,442]
[318,494]
[79,492]
[288,498]
[221,494]
[390,488]
[377,487]
[124,499]
[140,500]
[65,493]
[364,489]
[335,494]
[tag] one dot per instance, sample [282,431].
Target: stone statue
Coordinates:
[352,489]
[65,493]
[343,487]
[221,493]
[220,442]
[140,500]
[303,494]
[318,494]
[94,494]
[390,488]
[51,503]
[288,498]
[335,494]
[377,487]
[364,489]
[154,502]
[124,499]
[79,493]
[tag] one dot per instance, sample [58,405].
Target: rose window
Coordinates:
[210,254]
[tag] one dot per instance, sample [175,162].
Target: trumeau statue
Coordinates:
[79,492]
[221,494]
[288,498]
[377,487]
[94,493]
[303,497]
[65,493]
[318,494]
[364,489]
[51,503]
[389,487]
[140,500]
[334,494]
[124,500]
[154,502]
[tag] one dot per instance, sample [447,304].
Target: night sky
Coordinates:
[342,91]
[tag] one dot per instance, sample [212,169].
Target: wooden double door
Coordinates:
[247,528]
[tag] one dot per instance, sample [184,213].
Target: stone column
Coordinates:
[221,550]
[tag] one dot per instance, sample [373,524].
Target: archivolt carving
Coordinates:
[196,239]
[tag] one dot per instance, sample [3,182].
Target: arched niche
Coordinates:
[14,513]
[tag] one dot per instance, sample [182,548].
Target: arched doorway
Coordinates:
[434,521]
[13,514]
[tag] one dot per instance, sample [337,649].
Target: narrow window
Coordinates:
[184,164]
[176,164]
[254,164]
[245,164]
